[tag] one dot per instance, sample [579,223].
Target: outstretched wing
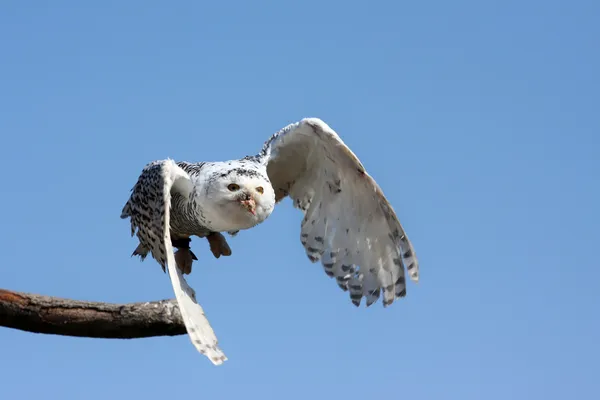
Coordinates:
[348,223]
[149,211]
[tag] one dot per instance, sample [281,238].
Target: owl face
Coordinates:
[241,198]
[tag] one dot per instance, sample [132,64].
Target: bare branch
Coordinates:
[53,315]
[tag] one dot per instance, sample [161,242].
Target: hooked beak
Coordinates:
[249,204]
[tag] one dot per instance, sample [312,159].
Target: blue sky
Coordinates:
[478,119]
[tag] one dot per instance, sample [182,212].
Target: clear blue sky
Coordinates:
[479,120]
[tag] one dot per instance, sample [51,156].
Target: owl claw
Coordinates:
[218,245]
[184,259]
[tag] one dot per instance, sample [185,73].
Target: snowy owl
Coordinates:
[348,225]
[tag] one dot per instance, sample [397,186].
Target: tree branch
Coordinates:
[53,315]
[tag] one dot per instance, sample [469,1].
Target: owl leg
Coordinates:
[218,245]
[184,257]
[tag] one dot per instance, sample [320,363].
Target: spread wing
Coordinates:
[149,211]
[348,224]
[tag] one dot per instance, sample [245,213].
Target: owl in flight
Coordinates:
[348,225]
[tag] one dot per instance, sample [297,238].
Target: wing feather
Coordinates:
[149,211]
[349,225]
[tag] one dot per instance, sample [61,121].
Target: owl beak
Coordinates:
[249,204]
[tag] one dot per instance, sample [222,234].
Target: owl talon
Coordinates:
[218,245]
[184,259]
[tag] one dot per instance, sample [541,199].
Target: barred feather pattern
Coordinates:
[149,211]
[348,225]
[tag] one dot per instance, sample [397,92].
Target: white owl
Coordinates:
[348,223]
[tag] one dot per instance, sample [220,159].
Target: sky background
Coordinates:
[478,119]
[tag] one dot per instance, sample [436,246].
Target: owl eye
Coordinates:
[260,190]
[233,187]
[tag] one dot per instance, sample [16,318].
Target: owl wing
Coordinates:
[149,211]
[348,224]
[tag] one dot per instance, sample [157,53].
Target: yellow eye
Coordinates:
[233,187]
[260,190]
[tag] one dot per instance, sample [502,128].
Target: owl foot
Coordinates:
[184,257]
[218,245]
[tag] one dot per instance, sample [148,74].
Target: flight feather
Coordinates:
[149,211]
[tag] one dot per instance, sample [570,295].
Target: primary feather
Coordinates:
[348,225]
[346,215]
[148,209]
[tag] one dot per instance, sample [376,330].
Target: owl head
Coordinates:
[240,196]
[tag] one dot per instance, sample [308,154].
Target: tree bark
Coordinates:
[53,315]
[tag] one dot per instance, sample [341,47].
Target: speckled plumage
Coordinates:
[348,225]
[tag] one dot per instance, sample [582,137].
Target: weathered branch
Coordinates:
[53,315]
